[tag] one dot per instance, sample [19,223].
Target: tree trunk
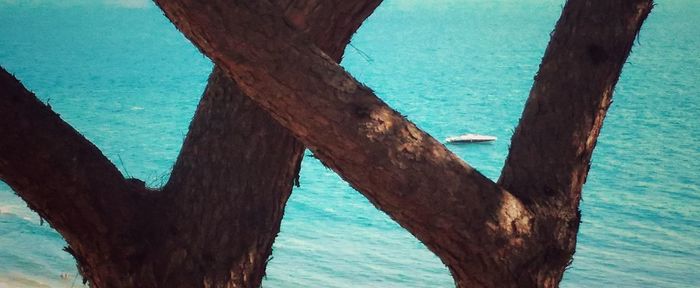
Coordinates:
[487,236]
[237,167]
[213,224]
[226,195]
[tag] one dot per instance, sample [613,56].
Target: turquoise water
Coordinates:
[123,76]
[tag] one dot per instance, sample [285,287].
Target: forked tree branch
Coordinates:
[237,166]
[60,174]
[222,206]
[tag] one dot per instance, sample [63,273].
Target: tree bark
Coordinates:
[486,236]
[552,146]
[226,194]
[215,221]
[237,166]
[462,216]
[68,182]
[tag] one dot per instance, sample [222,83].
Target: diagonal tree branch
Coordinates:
[237,166]
[484,234]
[228,189]
[221,209]
[62,176]
[552,146]
[457,212]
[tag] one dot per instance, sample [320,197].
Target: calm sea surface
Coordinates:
[121,74]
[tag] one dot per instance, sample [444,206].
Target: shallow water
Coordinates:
[123,76]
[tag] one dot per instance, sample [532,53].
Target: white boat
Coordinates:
[470,138]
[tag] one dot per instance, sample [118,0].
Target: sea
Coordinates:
[121,74]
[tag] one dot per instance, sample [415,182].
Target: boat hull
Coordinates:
[470,138]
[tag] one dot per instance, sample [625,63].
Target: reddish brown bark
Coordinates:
[237,166]
[485,235]
[458,213]
[226,195]
[68,182]
[215,221]
[552,146]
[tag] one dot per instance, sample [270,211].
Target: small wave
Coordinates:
[18,211]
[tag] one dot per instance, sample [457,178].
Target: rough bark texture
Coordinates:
[237,166]
[458,213]
[485,235]
[226,194]
[552,146]
[68,182]
[330,24]
[215,221]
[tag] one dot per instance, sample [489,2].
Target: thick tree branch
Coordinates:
[228,190]
[221,209]
[552,146]
[64,177]
[237,165]
[457,212]
[454,210]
